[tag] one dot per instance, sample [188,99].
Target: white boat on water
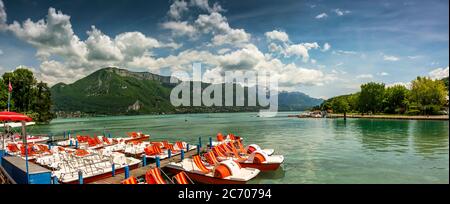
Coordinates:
[52,161]
[66,143]
[232,138]
[92,166]
[254,147]
[161,149]
[157,149]
[257,159]
[225,172]
[18,138]
[34,150]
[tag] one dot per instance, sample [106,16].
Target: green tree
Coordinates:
[340,105]
[395,100]
[4,96]
[445,82]
[326,105]
[353,101]
[371,97]
[23,83]
[428,95]
[27,95]
[42,103]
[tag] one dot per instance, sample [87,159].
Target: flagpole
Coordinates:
[9,93]
[9,99]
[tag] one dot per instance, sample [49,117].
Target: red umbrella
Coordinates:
[12,116]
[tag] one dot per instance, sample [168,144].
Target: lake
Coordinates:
[315,150]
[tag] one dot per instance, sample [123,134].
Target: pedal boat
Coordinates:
[161,149]
[34,150]
[93,166]
[135,137]
[225,172]
[155,176]
[254,147]
[257,159]
[239,140]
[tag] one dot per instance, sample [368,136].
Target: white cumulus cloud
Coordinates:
[439,73]
[204,4]
[300,50]
[232,37]
[64,57]
[2,16]
[177,8]
[133,44]
[180,28]
[404,84]
[54,35]
[217,24]
[277,35]
[102,47]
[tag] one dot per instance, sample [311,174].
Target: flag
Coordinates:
[9,87]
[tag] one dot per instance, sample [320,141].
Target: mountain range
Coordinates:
[114,91]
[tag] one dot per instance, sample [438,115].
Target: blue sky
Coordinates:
[322,48]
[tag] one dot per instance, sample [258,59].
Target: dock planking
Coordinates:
[139,172]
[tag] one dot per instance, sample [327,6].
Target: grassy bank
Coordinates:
[398,117]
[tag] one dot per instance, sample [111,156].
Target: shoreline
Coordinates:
[396,117]
[104,116]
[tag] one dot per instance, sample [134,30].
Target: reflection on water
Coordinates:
[270,175]
[315,150]
[383,135]
[430,138]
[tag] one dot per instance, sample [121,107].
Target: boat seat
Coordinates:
[172,148]
[13,148]
[220,137]
[180,145]
[211,158]
[181,178]
[106,140]
[153,176]
[218,152]
[131,180]
[149,151]
[199,163]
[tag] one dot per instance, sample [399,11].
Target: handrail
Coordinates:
[187,176]
[165,174]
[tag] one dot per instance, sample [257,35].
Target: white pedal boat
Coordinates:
[93,167]
[226,172]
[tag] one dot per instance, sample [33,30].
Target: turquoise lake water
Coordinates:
[315,150]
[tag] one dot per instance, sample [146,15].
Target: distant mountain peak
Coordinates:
[137,75]
[116,91]
[60,84]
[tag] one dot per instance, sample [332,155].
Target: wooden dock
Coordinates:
[15,169]
[139,172]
